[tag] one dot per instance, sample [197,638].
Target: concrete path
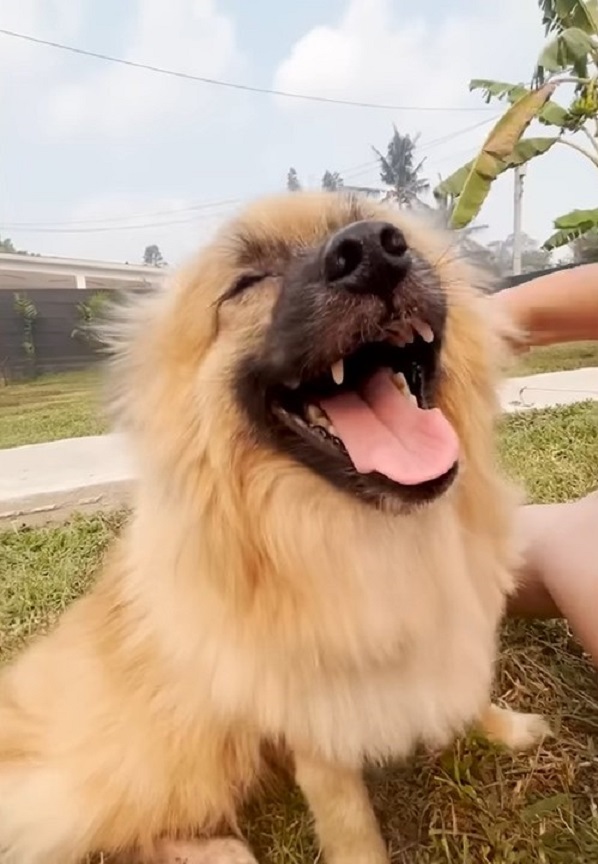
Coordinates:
[549,389]
[47,482]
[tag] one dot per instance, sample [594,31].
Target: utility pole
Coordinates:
[517,208]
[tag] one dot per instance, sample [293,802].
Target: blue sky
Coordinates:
[87,146]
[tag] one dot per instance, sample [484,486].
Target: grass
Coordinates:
[470,805]
[50,407]
[557,358]
[66,405]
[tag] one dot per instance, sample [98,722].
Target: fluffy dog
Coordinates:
[318,558]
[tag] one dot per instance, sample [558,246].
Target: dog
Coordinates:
[318,557]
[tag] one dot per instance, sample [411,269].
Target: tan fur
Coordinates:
[249,602]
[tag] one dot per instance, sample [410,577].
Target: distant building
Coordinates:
[25,272]
[370,191]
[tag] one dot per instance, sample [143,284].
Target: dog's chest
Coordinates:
[376,677]
[427,692]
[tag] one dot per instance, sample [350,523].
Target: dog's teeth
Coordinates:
[400,383]
[292,383]
[338,371]
[315,415]
[424,329]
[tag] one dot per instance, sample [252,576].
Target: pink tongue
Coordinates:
[384,430]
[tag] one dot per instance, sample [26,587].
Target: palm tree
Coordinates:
[400,171]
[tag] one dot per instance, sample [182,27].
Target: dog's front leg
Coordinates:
[512,729]
[345,822]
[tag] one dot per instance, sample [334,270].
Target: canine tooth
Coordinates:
[424,329]
[338,371]
[292,383]
[315,415]
[401,383]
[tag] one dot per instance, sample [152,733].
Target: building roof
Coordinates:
[20,272]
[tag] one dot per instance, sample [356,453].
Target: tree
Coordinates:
[400,170]
[464,238]
[533,257]
[7,245]
[293,184]
[153,257]
[585,248]
[332,181]
[571,56]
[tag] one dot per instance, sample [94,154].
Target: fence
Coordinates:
[53,344]
[56,347]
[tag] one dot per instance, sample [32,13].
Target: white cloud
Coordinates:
[190,36]
[47,19]
[387,52]
[384,51]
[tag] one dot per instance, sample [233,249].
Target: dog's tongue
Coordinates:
[384,430]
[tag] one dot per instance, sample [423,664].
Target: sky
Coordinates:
[99,160]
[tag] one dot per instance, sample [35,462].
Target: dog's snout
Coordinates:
[368,257]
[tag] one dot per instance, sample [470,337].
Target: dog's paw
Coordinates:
[221,850]
[512,729]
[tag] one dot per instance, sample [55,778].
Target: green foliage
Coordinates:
[400,169]
[332,181]
[89,313]
[571,49]
[533,257]
[153,257]
[27,309]
[524,150]
[558,15]
[571,226]
[571,56]
[494,157]
[585,248]
[293,184]
[551,114]
[8,246]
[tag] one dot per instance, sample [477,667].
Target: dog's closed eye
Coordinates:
[244,281]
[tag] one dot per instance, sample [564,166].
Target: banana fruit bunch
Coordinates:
[585,105]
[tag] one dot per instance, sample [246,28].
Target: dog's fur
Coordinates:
[250,602]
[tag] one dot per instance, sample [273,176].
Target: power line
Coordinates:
[193,207]
[352,173]
[104,228]
[103,224]
[364,167]
[233,85]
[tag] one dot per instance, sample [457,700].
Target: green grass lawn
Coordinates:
[49,408]
[556,358]
[67,405]
[470,805]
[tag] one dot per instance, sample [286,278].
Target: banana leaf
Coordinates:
[571,226]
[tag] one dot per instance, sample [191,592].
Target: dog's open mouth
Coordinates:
[374,407]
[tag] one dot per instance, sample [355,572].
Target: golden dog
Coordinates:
[318,558]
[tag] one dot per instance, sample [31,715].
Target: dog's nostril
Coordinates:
[393,241]
[343,259]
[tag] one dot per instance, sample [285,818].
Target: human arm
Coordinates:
[561,306]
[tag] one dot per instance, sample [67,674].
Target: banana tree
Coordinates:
[570,57]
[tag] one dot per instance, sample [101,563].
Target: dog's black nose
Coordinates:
[368,257]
